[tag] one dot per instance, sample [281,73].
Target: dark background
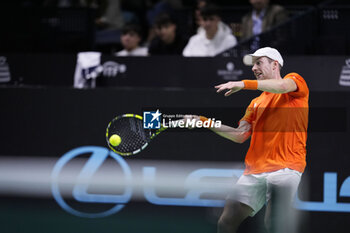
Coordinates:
[43,116]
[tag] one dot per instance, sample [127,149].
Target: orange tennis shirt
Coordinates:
[279,129]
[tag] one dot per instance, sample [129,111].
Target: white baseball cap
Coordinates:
[263,52]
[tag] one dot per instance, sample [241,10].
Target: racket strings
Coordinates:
[133,135]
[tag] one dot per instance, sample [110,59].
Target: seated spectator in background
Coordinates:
[168,40]
[111,17]
[262,17]
[130,40]
[155,8]
[198,20]
[212,38]
[109,14]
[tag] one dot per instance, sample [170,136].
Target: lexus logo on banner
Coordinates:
[344,79]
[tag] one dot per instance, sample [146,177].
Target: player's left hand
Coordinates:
[232,87]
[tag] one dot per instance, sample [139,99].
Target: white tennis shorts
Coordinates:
[255,190]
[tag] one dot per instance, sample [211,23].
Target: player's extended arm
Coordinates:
[277,85]
[239,134]
[269,85]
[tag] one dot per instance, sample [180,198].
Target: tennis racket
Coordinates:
[134,137]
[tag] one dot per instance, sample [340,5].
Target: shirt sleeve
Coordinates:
[249,113]
[302,89]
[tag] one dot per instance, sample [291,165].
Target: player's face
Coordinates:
[130,40]
[262,68]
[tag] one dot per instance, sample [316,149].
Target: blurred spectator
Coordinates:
[131,39]
[262,17]
[157,7]
[198,20]
[168,39]
[109,22]
[212,38]
[111,16]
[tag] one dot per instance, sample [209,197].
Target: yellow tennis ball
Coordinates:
[115,140]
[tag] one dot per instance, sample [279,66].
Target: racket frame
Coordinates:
[153,135]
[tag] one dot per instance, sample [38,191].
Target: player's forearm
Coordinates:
[239,135]
[276,86]
[233,134]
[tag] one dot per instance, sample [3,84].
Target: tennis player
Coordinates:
[277,123]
